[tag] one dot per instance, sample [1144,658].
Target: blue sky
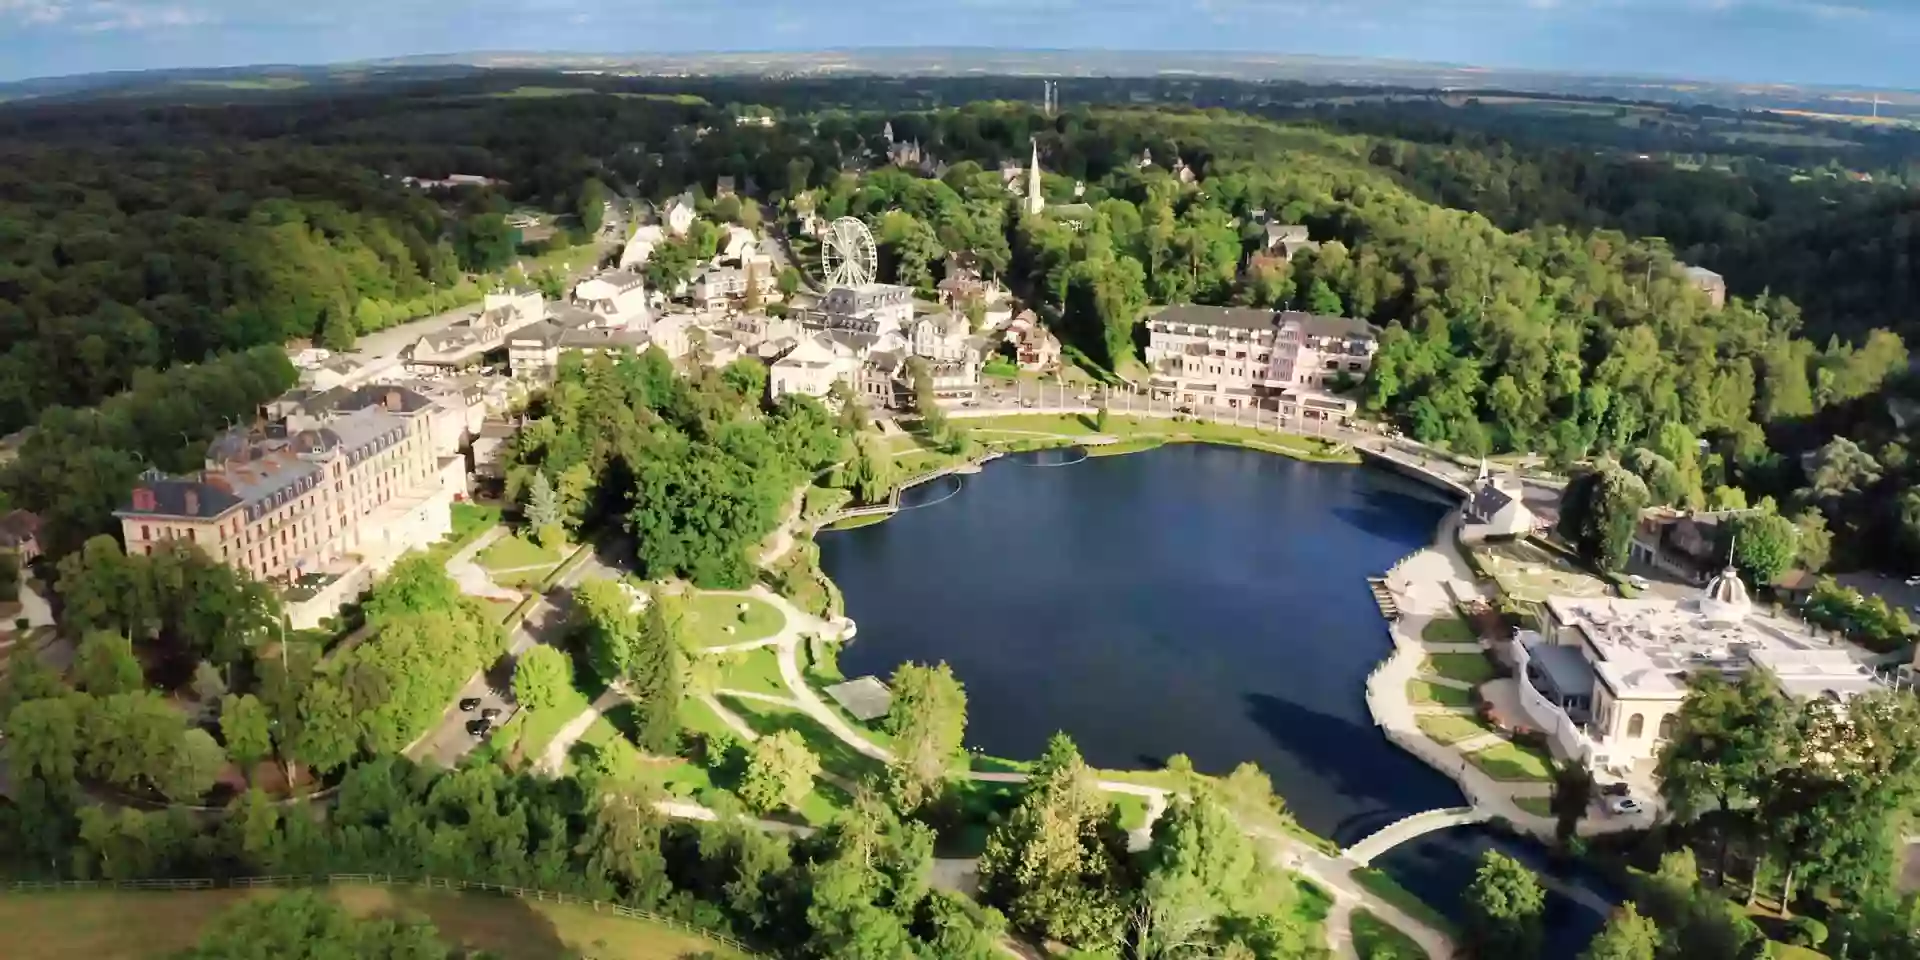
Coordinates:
[1863,42]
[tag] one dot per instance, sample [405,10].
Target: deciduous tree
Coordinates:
[928,720]
[780,772]
[1504,905]
[541,677]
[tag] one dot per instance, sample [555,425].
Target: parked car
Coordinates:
[490,713]
[1639,582]
[479,728]
[1624,805]
[1913,581]
[1614,788]
[469,704]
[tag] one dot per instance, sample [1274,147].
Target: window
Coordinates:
[1666,727]
[1636,725]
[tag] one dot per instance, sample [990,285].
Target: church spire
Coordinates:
[1034,201]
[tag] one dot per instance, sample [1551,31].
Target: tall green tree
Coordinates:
[1504,907]
[780,772]
[105,665]
[247,725]
[541,677]
[1627,936]
[928,720]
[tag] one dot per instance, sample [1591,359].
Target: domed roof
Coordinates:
[1725,597]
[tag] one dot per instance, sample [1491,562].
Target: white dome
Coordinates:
[1725,597]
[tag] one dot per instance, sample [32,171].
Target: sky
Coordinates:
[1844,42]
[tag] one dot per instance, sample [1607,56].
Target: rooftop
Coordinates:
[1650,647]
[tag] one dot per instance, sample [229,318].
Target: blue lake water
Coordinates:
[1190,599]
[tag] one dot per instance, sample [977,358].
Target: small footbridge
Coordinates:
[1409,828]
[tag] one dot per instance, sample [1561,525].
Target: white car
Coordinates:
[1639,582]
[1913,581]
[1624,805]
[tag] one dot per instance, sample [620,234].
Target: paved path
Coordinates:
[756,695]
[473,579]
[739,727]
[555,759]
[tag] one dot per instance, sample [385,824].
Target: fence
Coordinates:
[385,880]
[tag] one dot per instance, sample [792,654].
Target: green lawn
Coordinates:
[1376,939]
[820,501]
[1386,888]
[538,727]
[515,551]
[836,756]
[1510,761]
[127,925]
[1449,630]
[1420,691]
[755,671]
[1472,668]
[1131,808]
[1129,427]
[706,617]
[855,523]
[1538,806]
[1452,727]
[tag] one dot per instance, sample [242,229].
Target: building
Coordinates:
[679,214]
[20,535]
[1707,282]
[943,336]
[319,503]
[1691,546]
[639,248]
[1240,358]
[1035,347]
[1035,200]
[620,296]
[1283,240]
[1604,677]
[1495,508]
[812,367]
[718,286]
[462,343]
[877,308]
[739,247]
[534,353]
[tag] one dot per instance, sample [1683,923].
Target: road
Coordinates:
[546,622]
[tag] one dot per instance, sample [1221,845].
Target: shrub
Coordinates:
[1806,932]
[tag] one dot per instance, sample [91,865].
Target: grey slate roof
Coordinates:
[1317,325]
[1243,318]
[1565,668]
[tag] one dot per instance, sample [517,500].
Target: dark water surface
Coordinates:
[1190,599]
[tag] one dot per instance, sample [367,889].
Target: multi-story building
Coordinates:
[716,286]
[620,296]
[876,308]
[1605,677]
[1243,358]
[462,343]
[313,499]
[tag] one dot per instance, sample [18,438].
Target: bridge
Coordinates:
[1411,828]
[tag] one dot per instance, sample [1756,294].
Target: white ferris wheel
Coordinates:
[848,255]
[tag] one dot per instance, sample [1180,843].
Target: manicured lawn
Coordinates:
[1125,447]
[470,519]
[1376,939]
[514,551]
[1471,668]
[1510,761]
[1388,889]
[1420,691]
[1124,427]
[1452,727]
[1132,810]
[697,717]
[537,727]
[1539,807]
[836,756]
[755,671]
[126,925]
[820,501]
[706,617]
[1448,630]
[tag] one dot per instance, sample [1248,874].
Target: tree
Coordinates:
[1503,908]
[1321,299]
[329,731]
[657,679]
[44,740]
[130,739]
[541,677]
[609,630]
[1627,936]
[1572,795]
[543,505]
[193,768]
[751,299]
[1051,867]
[1765,545]
[780,772]
[247,725]
[870,476]
[308,926]
[928,720]
[926,400]
[788,282]
[1207,883]
[1599,512]
[1730,742]
[105,665]
[1815,540]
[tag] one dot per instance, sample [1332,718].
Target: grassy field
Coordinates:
[707,616]
[1472,668]
[1420,691]
[755,671]
[1130,429]
[249,83]
[1538,806]
[1452,727]
[514,551]
[1388,889]
[836,756]
[127,925]
[1448,630]
[1510,761]
[1376,939]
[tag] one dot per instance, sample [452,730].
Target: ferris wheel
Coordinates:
[848,255]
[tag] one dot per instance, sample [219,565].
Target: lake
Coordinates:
[1190,599]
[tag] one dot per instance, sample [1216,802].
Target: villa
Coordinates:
[1605,677]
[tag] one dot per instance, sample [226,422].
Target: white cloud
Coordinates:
[33,12]
[94,16]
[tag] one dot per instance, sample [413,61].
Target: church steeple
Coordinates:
[1034,200]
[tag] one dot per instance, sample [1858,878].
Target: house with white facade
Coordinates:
[639,248]
[1604,677]
[812,367]
[679,214]
[618,295]
[462,343]
[1495,507]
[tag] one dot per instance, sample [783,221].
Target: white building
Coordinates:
[463,342]
[1240,357]
[1606,676]
[812,367]
[619,295]
[639,248]
[679,214]
[1495,507]
[877,308]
